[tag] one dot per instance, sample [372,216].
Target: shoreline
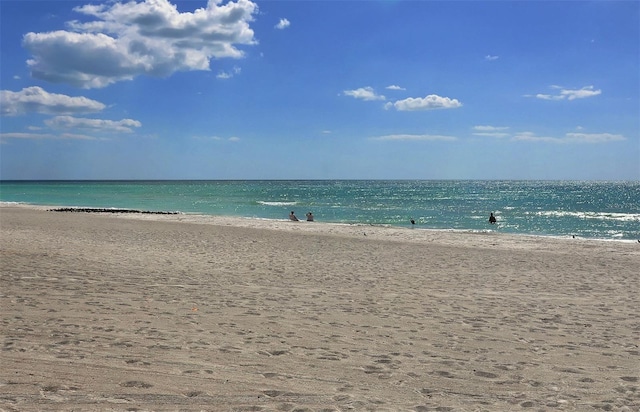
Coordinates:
[173,312]
[316,226]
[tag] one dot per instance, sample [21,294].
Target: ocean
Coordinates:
[593,210]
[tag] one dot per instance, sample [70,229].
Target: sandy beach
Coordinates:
[163,313]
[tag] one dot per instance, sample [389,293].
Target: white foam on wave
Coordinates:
[277,203]
[626,217]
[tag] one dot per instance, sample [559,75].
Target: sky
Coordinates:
[161,89]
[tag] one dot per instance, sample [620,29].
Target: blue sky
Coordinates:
[320,90]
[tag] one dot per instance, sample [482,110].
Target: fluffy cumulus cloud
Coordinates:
[429,102]
[364,93]
[569,94]
[124,40]
[37,100]
[283,24]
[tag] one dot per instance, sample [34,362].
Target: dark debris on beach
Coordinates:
[102,210]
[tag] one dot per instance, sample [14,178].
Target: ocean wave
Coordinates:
[277,203]
[625,217]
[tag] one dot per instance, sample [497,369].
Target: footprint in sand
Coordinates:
[273,393]
[629,378]
[136,384]
[445,374]
[485,374]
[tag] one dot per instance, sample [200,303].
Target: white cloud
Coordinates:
[227,75]
[364,93]
[548,97]
[429,102]
[491,131]
[497,135]
[568,94]
[593,137]
[414,137]
[135,38]
[570,138]
[217,138]
[394,87]
[531,137]
[37,100]
[490,58]
[39,136]
[581,93]
[27,136]
[283,24]
[69,122]
[76,136]
[489,128]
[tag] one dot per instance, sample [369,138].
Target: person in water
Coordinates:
[492,219]
[309,217]
[292,216]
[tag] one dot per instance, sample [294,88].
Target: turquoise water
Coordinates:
[599,210]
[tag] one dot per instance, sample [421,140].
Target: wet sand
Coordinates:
[132,312]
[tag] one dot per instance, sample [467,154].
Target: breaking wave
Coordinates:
[621,217]
[277,203]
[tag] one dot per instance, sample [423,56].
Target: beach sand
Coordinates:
[129,312]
